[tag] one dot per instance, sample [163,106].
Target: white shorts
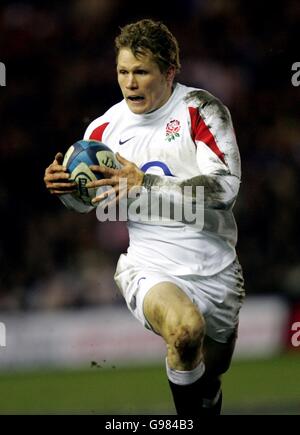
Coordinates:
[218,297]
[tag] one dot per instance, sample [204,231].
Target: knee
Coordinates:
[185,334]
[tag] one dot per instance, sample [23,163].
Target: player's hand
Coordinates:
[56,178]
[115,178]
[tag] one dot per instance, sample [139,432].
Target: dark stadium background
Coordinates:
[60,66]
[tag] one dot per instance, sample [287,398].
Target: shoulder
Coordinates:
[202,106]
[206,104]
[97,127]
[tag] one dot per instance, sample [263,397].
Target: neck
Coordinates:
[167,99]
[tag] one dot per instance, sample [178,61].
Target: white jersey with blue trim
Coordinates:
[190,140]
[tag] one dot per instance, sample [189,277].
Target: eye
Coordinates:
[141,72]
[122,71]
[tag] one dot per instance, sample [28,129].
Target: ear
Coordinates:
[170,74]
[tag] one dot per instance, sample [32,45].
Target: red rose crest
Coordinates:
[172,130]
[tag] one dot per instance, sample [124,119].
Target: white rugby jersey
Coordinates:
[190,135]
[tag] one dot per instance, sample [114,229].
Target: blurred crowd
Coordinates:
[60,68]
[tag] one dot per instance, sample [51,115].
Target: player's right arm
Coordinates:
[57,179]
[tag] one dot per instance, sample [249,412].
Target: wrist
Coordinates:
[148,181]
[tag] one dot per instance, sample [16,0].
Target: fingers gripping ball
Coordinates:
[77,160]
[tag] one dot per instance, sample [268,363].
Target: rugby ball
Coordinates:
[77,160]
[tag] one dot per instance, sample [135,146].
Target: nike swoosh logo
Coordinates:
[124,141]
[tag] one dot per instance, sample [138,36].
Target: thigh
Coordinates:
[166,306]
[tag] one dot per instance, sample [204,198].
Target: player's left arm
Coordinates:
[217,155]
[220,188]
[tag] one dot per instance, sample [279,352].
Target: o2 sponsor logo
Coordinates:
[158,166]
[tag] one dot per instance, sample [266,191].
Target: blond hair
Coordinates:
[154,36]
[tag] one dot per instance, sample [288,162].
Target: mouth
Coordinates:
[135,98]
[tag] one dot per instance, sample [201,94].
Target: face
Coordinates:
[144,87]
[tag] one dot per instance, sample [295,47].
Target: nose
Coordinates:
[131,82]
